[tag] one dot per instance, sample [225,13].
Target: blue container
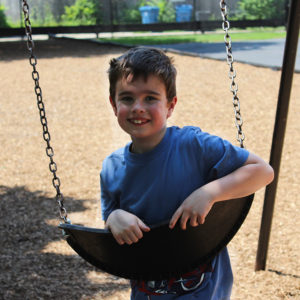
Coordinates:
[149,14]
[184,12]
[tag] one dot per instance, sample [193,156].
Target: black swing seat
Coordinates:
[162,253]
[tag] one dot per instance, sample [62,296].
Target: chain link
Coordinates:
[42,112]
[232,75]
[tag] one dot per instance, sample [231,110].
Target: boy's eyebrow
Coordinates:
[122,93]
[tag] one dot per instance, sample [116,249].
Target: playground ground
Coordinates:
[35,261]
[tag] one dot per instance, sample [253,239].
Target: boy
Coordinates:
[173,173]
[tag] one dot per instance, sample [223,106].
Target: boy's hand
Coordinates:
[126,227]
[194,208]
[251,176]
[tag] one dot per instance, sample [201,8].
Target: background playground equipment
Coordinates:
[149,14]
[184,12]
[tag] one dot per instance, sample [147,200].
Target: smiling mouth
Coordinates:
[138,121]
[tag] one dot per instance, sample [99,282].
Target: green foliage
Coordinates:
[125,13]
[261,9]
[166,9]
[83,12]
[98,11]
[131,16]
[41,13]
[58,8]
[3,21]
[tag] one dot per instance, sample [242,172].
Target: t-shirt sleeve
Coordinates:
[108,200]
[220,156]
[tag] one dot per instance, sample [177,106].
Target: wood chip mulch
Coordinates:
[35,261]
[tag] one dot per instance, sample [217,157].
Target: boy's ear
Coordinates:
[171,106]
[113,105]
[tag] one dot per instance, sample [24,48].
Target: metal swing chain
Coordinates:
[232,74]
[42,112]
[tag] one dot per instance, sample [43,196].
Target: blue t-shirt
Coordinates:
[153,185]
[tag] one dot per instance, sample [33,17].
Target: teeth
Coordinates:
[137,121]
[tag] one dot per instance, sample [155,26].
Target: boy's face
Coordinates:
[142,109]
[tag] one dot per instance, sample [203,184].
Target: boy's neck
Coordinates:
[140,146]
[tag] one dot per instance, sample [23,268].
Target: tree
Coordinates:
[83,12]
[58,8]
[125,12]
[261,9]
[3,21]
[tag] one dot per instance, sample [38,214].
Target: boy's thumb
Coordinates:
[143,226]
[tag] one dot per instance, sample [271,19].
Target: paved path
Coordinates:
[266,53]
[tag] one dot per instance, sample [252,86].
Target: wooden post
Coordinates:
[279,130]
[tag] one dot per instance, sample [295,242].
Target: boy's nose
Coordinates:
[138,106]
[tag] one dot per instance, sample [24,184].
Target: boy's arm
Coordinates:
[253,175]
[125,227]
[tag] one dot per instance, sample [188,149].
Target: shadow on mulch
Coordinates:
[55,48]
[28,273]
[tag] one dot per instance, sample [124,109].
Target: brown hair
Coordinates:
[143,61]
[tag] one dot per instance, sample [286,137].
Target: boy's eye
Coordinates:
[150,98]
[126,99]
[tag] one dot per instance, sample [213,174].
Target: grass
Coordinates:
[197,37]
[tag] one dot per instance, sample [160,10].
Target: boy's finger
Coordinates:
[120,241]
[175,217]
[138,233]
[127,240]
[143,226]
[133,237]
[184,219]
[194,221]
[201,220]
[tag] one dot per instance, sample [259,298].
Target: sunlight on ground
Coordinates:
[103,279]
[119,296]
[58,247]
